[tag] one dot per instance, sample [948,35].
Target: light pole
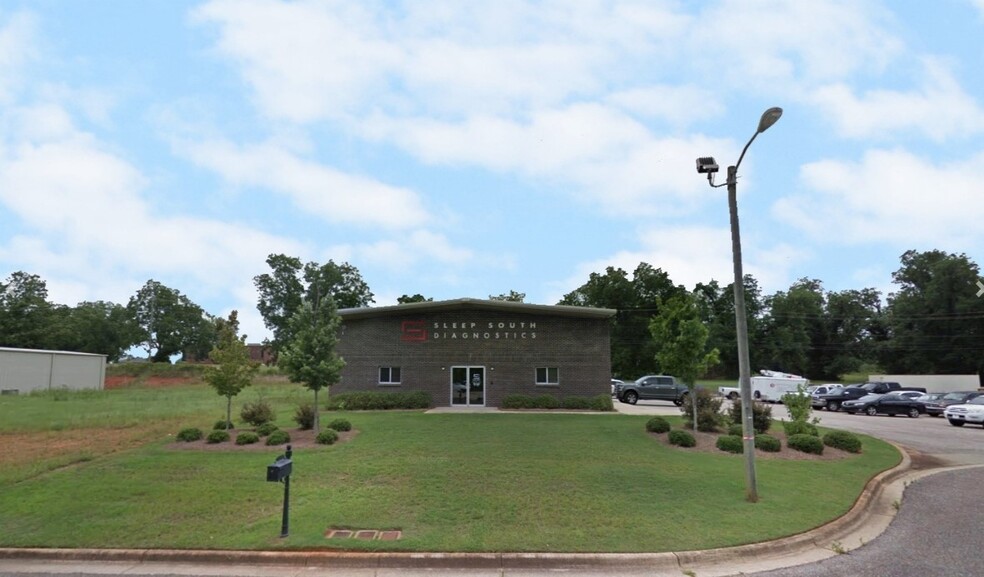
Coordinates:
[707,165]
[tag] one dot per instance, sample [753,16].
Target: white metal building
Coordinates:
[26,370]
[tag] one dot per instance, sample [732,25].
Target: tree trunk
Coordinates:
[228,413]
[693,403]
[317,421]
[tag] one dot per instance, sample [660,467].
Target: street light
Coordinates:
[707,165]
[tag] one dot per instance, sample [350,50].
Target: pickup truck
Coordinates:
[653,387]
[833,401]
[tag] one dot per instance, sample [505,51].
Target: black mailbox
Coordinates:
[279,470]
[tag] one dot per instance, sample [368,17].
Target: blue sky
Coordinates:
[462,149]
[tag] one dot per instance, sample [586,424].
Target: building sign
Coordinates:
[413,331]
[420,331]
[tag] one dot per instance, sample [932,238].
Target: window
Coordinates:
[389,375]
[547,376]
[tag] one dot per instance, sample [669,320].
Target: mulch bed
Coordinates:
[706,443]
[298,440]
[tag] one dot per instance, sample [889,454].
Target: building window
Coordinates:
[547,376]
[389,375]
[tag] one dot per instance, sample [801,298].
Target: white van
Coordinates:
[772,385]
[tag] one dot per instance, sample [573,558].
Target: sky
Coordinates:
[470,148]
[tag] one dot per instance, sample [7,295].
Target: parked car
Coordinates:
[833,401]
[653,387]
[891,404]
[970,412]
[818,390]
[937,406]
[616,385]
[911,394]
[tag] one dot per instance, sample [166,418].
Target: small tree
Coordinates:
[233,370]
[310,357]
[681,339]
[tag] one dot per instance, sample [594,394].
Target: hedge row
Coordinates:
[597,403]
[378,401]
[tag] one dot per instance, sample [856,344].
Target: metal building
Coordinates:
[26,370]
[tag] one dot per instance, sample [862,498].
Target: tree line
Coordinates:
[933,322]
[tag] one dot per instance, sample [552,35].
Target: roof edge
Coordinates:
[476,304]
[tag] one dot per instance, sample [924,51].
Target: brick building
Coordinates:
[469,352]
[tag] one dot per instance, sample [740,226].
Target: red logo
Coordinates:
[413,332]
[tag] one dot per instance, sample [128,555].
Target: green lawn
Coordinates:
[450,482]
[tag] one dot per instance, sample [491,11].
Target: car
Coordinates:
[816,390]
[653,387]
[616,385]
[937,406]
[891,404]
[970,412]
[911,394]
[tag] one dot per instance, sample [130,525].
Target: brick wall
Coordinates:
[509,345]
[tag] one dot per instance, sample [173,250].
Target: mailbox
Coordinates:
[279,470]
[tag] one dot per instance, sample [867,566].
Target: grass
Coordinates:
[450,482]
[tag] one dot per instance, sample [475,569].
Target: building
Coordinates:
[26,370]
[469,352]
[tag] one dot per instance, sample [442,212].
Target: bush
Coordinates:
[597,403]
[518,402]
[731,444]
[709,417]
[326,437]
[378,401]
[278,437]
[257,413]
[340,425]
[190,434]
[576,403]
[734,429]
[843,440]
[217,436]
[767,443]
[682,438]
[800,428]
[602,403]
[265,429]
[546,402]
[798,404]
[761,416]
[222,425]
[304,417]
[247,438]
[806,444]
[658,425]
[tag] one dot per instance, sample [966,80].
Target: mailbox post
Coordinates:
[280,471]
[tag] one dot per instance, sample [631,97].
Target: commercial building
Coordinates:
[26,370]
[469,352]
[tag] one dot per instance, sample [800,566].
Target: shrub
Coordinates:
[517,402]
[657,425]
[546,402]
[602,403]
[340,425]
[843,440]
[800,428]
[257,413]
[767,443]
[265,429]
[597,403]
[190,434]
[709,417]
[326,437]
[761,415]
[217,436]
[379,401]
[304,417]
[278,437]
[222,425]
[247,438]
[576,403]
[806,444]
[731,444]
[798,404]
[734,429]
[682,438]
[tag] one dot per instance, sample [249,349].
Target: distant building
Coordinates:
[470,352]
[27,370]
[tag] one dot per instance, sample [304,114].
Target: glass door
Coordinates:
[468,386]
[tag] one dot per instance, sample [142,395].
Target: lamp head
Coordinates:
[707,165]
[769,117]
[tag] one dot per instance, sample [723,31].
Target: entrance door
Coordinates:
[468,386]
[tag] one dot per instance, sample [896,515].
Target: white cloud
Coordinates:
[940,108]
[17,49]
[678,106]
[314,188]
[890,196]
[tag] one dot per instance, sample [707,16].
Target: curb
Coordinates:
[870,515]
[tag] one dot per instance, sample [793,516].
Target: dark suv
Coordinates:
[937,406]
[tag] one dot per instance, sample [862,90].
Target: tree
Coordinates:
[233,370]
[417,298]
[168,321]
[512,296]
[795,329]
[681,343]
[103,328]
[25,313]
[309,357]
[282,291]
[717,310]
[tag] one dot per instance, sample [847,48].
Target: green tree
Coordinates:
[25,313]
[103,328]
[233,370]
[512,296]
[417,298]
[717,309]
[168,321]
[310,358]
[681,343]
[290,282]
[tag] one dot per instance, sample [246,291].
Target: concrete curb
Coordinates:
[868,517]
